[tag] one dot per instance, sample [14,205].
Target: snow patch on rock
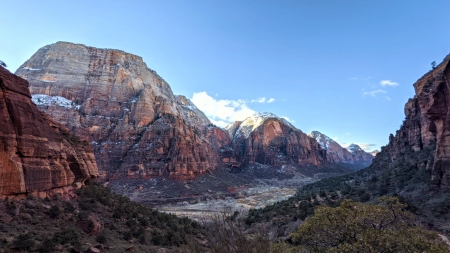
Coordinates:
[354,148]
[251,123]
[323,140]
[32,69]
[45,100]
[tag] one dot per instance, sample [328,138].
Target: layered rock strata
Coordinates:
[267,139]
[137,127]
[426,126]
[353,156]
[37,154]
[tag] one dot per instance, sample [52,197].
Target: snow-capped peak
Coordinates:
[354,148]
[251,123]
[323,140]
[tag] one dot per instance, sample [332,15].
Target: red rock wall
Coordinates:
[36,153]
[427,124]
[137,127]
[275,143]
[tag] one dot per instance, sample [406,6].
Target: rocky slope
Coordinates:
[137,127]
[352,156]
[37,154]
[267,139]
[426,126]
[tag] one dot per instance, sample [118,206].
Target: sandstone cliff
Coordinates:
[267,139]
[353,156]
[426,126]
[137,127]
[37,154]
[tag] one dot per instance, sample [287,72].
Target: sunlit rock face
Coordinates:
[37,154]
[353,154]
[267,139]
[427,125]
[137,127]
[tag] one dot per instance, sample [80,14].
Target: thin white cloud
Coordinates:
[355,78]
[388,83]
[221,112]
[374,92]
[388,98]
[262,100]
[259,100]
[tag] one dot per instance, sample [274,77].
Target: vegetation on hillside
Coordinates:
[357,227]
[331,209]
[407,177]
[96,217]
[350,227]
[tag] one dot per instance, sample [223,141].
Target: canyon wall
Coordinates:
[37,154]
[137,127]
[267,139]
[426,126]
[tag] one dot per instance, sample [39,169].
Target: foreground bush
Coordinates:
[357,227]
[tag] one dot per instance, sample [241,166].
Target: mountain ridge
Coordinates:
[354,158]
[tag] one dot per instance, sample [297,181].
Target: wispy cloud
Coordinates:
[221,112]
[355,78]
[262,100]
[374,92]
[388,98]
[388,83]
[259,100]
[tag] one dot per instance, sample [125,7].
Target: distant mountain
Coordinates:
[352,157]
[268,139]
[374,153]
[139,130]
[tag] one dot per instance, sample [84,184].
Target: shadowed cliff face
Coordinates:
[427,124]
[137,127]
[37,154]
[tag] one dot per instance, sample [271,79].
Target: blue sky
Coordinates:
[344,68]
